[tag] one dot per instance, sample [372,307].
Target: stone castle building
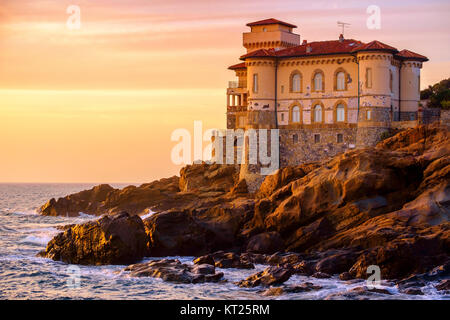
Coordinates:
[325,97]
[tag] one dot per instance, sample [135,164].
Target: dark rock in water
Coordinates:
[413,291]
[321,275]
[344,276]
[174,271]
[231,260]
[277,291]
[444,285]
[207,259]
[267,242]
[270,276]
[115,239]
[303,267]
[338,262]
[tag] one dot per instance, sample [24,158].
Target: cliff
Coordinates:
[388,206]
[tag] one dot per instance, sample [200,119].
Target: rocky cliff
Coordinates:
[387,206]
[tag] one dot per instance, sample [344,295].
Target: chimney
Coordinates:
[304,42]
[341,37]
[308,48]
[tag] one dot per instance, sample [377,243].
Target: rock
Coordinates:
[116,239]
[304,268]
[413,291]
[193,232]
[277,291]
[174,271]
[270,276]
[201,177]
[240,188]
[231,260]
[321,275]
[267,242]
[207,259]
[444,285]
[345,276]
[338,262]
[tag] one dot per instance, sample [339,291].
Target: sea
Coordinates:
[23,275]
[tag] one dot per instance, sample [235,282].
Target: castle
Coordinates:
[325,97]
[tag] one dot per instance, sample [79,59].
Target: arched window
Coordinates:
[340,80]
[318,81]
[318,113]
[296,114]
[295,138]
[295,85]
[340,113]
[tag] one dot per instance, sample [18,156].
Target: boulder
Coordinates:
[267,243]
[268,277]
[172,270]
[115,239]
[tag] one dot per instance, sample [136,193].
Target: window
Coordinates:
[391,80]
[369,78]
[242,121]
[340,138]
[295,138]
[318,81]
[296,114]
[369,115]
[255,83]
[340,113]
[282,89]
[340,81]
[264,29]
[296,79]
[282,117]
[317,138]
[318,113]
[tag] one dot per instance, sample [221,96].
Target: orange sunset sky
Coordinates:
[99,104]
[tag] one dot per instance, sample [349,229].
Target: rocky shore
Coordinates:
[387,206]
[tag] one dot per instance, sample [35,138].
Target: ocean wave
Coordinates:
[149,214]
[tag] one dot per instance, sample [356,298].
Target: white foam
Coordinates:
[149,214]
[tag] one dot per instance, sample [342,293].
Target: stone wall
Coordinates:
[298,146]
[445,117]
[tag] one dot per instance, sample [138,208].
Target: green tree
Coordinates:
[438,95]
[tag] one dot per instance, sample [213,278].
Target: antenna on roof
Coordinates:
[343,25]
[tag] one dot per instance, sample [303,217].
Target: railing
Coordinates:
[236,84]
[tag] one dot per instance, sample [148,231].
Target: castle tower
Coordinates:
[374,114]
[270,34]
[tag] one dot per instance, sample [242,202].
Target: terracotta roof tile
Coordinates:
[321,48]
[409,55]
[376,46]
[259,54]
[237,66]
[270,21]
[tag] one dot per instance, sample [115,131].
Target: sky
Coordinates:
[99,103]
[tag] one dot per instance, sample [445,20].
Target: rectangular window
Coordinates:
[369,78]
[340,138]
[282,117]
[369,114]
[242,120]
[282,89]
[255,83]
[316,138]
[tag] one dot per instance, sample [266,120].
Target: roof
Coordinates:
[270,21]
[377,46]
[237,66]
[409,55]
[260,54]
[321,48]
[330,47]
